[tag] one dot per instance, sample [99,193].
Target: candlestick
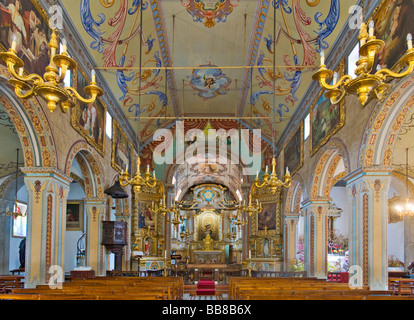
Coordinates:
[14,42]
[64,46]
[335,78]
[322,57]
[409,41]
[93,76]
[371,28]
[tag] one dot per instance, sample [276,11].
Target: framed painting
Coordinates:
[74,215]
[392,24]
[121,150]
[326,120]
[89,119]
[30,23]
[266,220]
[293,151]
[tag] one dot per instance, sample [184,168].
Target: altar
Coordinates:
[208,256]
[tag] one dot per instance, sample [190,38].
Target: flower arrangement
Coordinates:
[297,266]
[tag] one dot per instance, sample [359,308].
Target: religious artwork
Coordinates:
[267,218]
[74,216]
[326,120]
[147,246]
[89,119]
[121,150]
[30,24]
[293,151]
[210,82]
[393,203]
[392,24]
[146,217]
[209,12]
[208,223]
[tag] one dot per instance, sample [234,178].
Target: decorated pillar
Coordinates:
[95,251]
[290,239]
[47,190]
[368,196]
[316,237]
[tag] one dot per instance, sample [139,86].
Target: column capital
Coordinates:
[47,172]
[368,171]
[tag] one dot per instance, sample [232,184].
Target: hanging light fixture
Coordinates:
[368,82]
[164,210]
[271,181]
[49,87]
[251,208]
[138,181]
[16,209]
[408,208]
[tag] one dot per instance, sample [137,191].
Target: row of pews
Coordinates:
[105,288]
[246,288]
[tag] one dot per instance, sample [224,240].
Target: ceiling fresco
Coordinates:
[250,61]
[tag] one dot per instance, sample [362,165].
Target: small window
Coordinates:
[108,125]
[306,127]
[352,60]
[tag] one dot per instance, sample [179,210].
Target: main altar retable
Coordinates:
[207,236]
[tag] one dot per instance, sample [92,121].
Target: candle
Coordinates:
[64,46]
[371,28]
[250,254]
[335,78]
[165,254]
[409,41]
[93,76]
[14,42]
[287,171]
[21,72]
[322,57]
[267,169]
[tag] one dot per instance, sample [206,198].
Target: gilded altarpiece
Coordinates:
[148,230]
[266,234]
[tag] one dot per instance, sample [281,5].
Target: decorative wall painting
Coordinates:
[121,150]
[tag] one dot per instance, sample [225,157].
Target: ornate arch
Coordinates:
[91,168]
[383,127]
[32,127]
[324,177]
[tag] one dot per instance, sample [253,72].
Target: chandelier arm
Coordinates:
[338,100]
[392,74]
[343,81]
[35,78]
[258,185]
[80,98]
[19,92]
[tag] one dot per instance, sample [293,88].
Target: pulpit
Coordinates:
[114,238]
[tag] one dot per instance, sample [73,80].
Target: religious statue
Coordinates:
[207,243]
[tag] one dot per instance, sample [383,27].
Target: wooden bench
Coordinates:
[166,288]
[8,282]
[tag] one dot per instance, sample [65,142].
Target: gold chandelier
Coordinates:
[138,182]
[271,181]
[408,208]
[367,83]
[251,208]
[50,87]
[164,210]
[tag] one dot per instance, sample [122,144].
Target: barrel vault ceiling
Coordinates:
[244,60]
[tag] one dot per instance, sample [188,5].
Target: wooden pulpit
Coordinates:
[114,238]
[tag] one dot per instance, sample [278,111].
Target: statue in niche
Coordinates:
[22,253]
[208,243]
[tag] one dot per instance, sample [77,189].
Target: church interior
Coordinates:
[217,149]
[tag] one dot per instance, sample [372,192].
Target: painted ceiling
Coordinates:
[249,61]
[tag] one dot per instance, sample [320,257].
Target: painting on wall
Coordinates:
[89,119]
[30,24]
[267,218]
[121,150]
[74,216]
[293,151]
[326,120]
[392,24]
[146,217]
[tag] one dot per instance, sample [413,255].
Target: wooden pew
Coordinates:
[123,288]
[8,282]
